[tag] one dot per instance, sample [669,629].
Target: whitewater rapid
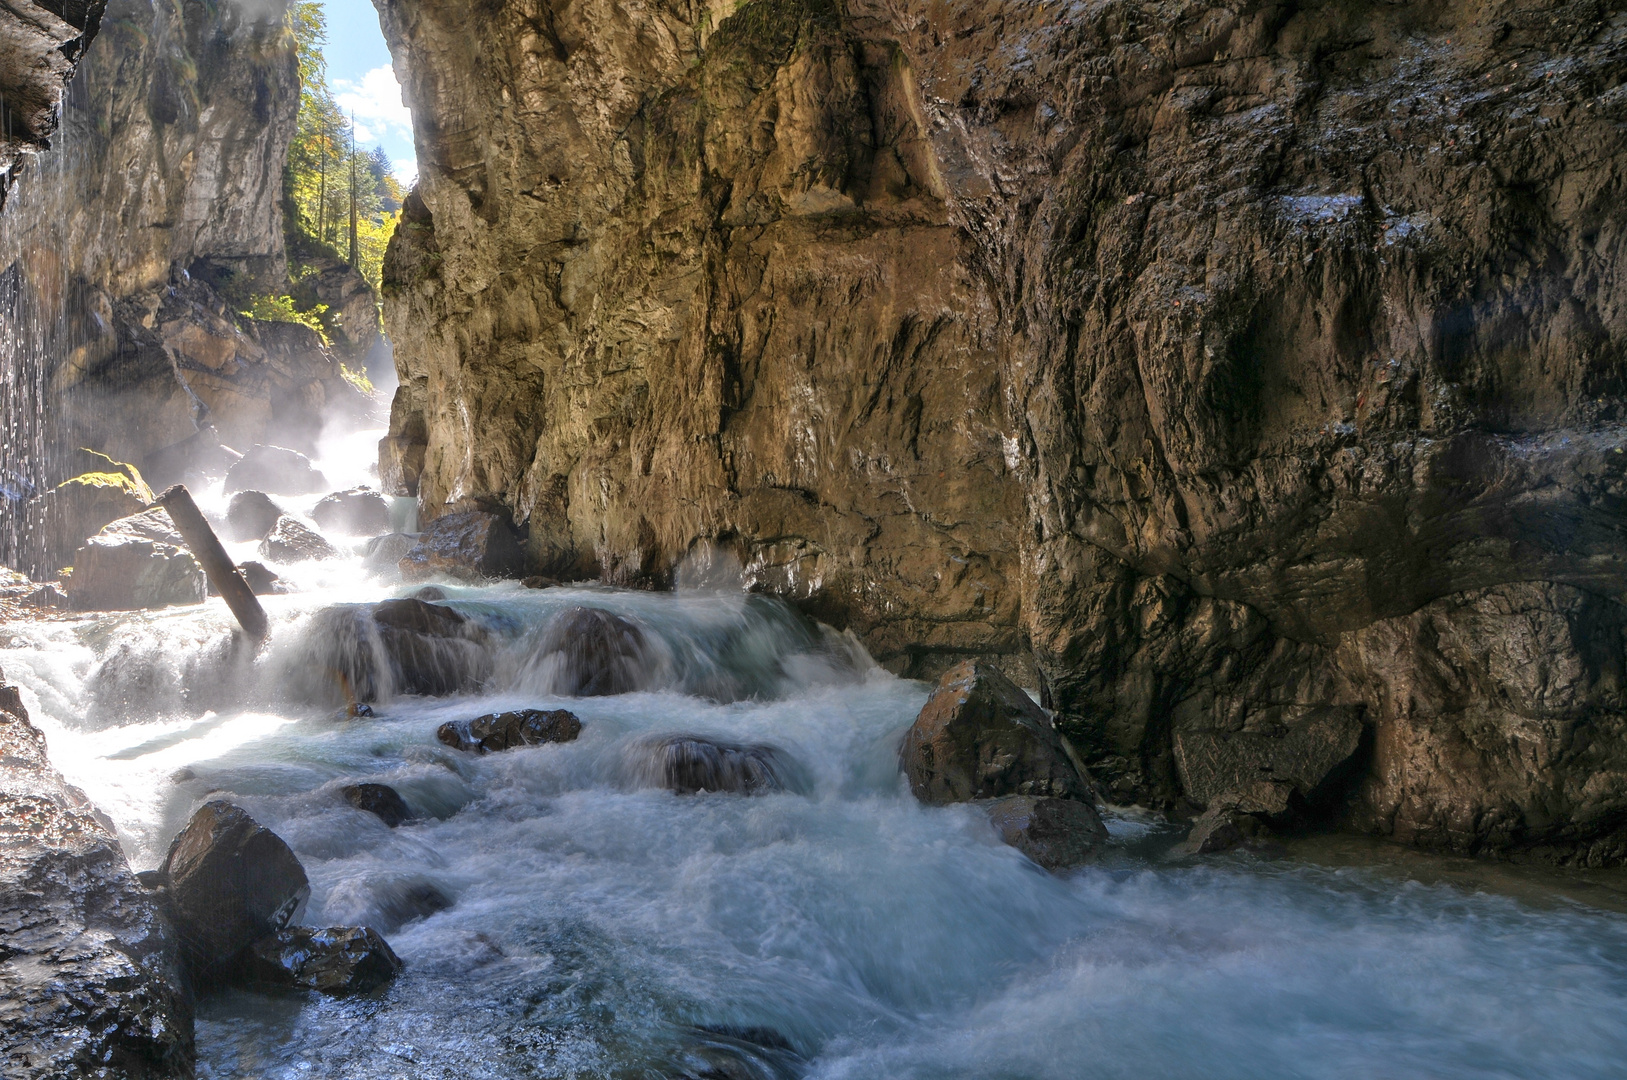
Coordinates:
[558,918]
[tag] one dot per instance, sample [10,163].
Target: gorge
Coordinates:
[910,539]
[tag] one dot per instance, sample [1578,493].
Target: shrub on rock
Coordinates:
[336,960]
[278,470]
[136,562]
[504,731]
[357,512]
[469,545]
[250,516]
[231,881]
[980,737]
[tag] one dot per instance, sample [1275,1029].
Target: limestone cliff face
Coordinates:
[1226,362]
[40,43]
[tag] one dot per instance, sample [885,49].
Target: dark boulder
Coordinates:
[469,545]
[980,737]
[690,764]
[380,800]
[1263,772]
[367,652]
[136,562]
[231,881]
[278,470]
[358,512]
[428,593]
[1055,833]
[250,516]
[1223,828]
[336,960]
[291,542]
[261,580]
[503,731]
[589,652]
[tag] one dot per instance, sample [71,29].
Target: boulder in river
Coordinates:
[589,652]
[231,881]
[251,515]
[278,470]
[90,978]
[365,652]
[335,960]
[979,736]
[261,580]
[690,764]
[386,551]
[1263,771]
[357,512]
[380,800]
[136,562]
[470,545]
[504,731]
[1055,833]
[290,541]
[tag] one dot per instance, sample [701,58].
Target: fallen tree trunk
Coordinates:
[217,565]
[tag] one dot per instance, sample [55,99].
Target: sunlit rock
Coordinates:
[277,470]
[503,731]
[357,512]
[290,542]
[136,562]
[335,960]
[250,516]
[471,545]
[979,736]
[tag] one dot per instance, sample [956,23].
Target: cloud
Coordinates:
[375,101]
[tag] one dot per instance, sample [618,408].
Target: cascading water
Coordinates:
[561,913]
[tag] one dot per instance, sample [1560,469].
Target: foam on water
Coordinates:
[558,917]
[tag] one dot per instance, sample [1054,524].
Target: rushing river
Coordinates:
[589,926]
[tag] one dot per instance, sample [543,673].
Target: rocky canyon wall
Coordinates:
[1222,366]
[40,45]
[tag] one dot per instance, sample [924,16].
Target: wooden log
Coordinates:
[217,565]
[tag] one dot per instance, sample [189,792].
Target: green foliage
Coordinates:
[115,474]
[327,172]
[356,378]
[281,309]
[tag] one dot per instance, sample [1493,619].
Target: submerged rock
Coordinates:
[293,542]
[335,960]
[980,737]
[90,978]
[357,512]
[690,764]
[387,901]
[250,516]
[503,731]
[136,562]
[470,545]
[276,469]
[365,652]
[380,800]
[589,652]
[1261,771]
[231,881]
[1055,833]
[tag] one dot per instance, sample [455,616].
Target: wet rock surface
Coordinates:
[262,581]
[228,883]
[90,980]
[290,541]
[691,764]
[590,652]
[979,736]
[366,652]
[385,552]
[276,470]
[335,960]
[1058,834]
[40,46]
[471,545]
[136,562]
[56,523]
[504,731]
[250,516]
[380,800]
[357,512]
[1260,772]
[1226,828]
[1156,347]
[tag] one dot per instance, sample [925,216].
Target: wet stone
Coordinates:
[357,512]
[336,960]
[385,552]
[231,882]
[691,764]
[1266,771]
[277,470]
[1055,833]
[380,800]
[136,562]
[594,653]
[290,541]
[251,515]
[470,545]
[1225,828]
[261,580]
[504,731]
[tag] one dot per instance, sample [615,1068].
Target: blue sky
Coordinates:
[362,81]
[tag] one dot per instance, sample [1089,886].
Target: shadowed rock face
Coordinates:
[1183,355]
[90,981]
[40,46]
